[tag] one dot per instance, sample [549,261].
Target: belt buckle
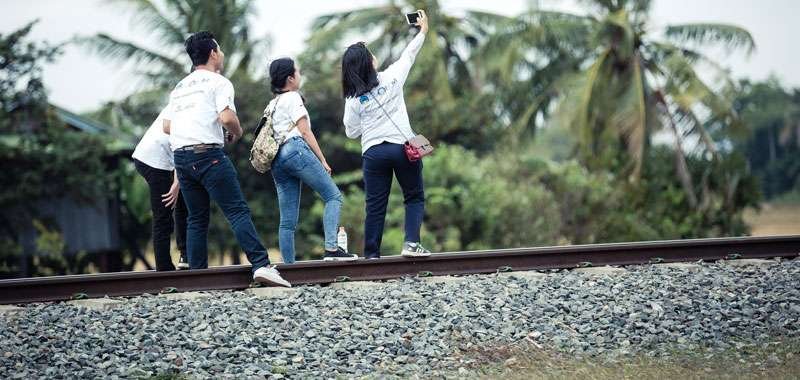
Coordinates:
[201,148]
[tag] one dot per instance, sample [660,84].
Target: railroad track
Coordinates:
[58,288]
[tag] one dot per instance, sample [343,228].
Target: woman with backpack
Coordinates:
[299,160]
[376,112]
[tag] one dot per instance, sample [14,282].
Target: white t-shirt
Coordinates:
[290,109]
[153,149]
[194,107]
[363,116]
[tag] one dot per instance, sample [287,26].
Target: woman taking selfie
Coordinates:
[376,112]
[299,160]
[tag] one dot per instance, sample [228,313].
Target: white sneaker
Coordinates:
[270,275]
[183,263]
[411,249]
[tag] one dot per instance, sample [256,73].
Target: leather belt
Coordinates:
[198,148]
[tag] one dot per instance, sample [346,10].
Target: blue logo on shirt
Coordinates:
[363,99]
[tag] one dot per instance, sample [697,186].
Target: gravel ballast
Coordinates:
[404,327]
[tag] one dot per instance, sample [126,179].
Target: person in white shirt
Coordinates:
[366,91]
[299,160]
[200,106]
[153,160]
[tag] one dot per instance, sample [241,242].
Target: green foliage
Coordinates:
[10,252]
[469,205]
[41,158]
[52,163]
[22,93]
[773,144]
[540,120]
[169,22]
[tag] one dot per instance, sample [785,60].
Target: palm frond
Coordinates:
[150,18]
[124,51]
[575,108]
[329,30]
[686,85]
[726,35]
[630,116]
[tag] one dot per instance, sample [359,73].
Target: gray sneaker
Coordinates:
[411,249]
[183,263]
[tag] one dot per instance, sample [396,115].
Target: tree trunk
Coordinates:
[680,160]
[772,152]
[681,167]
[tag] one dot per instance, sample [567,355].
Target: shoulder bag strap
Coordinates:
[389,117]
[267,116]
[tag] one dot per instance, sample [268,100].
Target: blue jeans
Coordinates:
[380,162]
[294,165]
[211,175]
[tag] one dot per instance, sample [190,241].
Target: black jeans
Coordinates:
[380,162]
[159,182]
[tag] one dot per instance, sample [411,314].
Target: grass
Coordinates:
[790,198]
[773,360]
[775,218]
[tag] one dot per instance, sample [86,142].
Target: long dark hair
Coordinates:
[279,71]
[358,73]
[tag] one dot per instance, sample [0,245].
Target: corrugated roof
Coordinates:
[80,122]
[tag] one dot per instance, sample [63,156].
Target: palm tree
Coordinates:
[169,22]
[616,83]
[443,82]
[521,61]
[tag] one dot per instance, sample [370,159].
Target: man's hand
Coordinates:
[230,121]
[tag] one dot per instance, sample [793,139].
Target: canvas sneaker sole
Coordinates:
[405,253]
[272,280]
[349,258]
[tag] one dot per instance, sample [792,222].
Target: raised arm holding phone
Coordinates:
[375,111]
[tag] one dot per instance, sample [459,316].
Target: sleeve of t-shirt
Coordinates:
[294,106]
[352,119]
[167,113]
[223,96]
[400,68]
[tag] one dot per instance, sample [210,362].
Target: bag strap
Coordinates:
[267,116]
[292,124]
[389,117]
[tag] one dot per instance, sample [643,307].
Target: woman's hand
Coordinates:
[422,21]
[327,167]
[171,198]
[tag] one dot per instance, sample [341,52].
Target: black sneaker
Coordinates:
[411,249]
[182,262]
[339,255]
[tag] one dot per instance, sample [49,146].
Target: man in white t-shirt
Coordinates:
[200,106]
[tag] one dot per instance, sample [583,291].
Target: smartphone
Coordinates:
[412,18]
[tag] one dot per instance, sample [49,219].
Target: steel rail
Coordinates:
[57,288]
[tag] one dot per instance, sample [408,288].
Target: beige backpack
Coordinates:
[265,147]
